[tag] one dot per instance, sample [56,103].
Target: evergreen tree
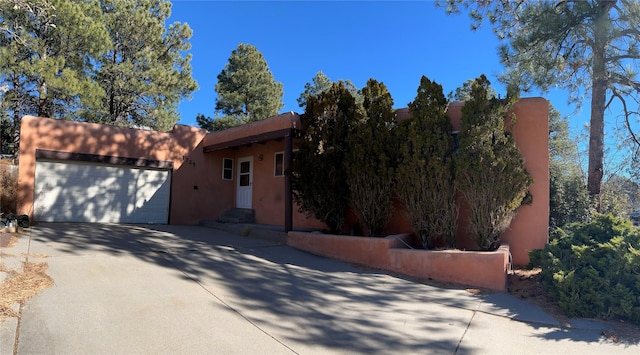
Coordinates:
[620,196]
[321,83]
[98,60]
[425,177]
[46,51]
[318,174]
[463,93]
[588,47]
[489,170]
[143,72]
[568,196]
[218,123]
[246,88]
[370,159]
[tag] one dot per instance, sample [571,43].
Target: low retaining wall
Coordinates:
[473,268]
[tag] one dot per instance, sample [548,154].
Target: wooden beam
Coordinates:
[42,154]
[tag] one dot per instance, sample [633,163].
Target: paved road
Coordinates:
[192,290]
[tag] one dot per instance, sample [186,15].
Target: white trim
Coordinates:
[244,193]
[223,168]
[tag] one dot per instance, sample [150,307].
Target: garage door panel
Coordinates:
[72,192]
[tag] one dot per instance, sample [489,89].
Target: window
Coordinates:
[279,164]
[227,169]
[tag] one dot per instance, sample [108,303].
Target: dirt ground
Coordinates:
[526,284]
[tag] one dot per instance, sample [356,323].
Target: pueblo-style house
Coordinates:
[84,172]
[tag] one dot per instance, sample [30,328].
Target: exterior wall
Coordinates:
[199,192]
[530,228]
[182,147]
[267,190]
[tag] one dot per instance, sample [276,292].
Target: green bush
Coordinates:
[425,180]
[370,159]
[489,168]
[593,269]
[318,173]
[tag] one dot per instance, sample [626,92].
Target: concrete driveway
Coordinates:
[192,290]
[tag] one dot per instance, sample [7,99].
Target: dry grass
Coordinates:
[20,285]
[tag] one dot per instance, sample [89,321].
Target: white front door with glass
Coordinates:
[245,180]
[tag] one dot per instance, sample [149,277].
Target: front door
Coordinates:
[245,180]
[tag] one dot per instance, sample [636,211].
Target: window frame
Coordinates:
[225,169]
[275,164]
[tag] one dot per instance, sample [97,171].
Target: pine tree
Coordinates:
[143,72]
[568,196]
[318,174]
[102,61]
[370,159]
[46,51]
[425,178]
[246,87]
[321,83]
[588,47]
[489,170]
[47,47]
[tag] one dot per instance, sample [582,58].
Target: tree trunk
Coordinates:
[598,99]
[42,92]
[42,100]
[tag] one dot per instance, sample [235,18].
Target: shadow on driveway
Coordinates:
[307,302]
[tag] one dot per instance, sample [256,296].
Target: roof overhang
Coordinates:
[272,128]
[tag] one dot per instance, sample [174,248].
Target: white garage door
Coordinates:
[78,192]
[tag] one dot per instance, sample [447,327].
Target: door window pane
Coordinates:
[244,167]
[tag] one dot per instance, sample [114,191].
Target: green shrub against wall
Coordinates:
[318,173]
[489,170]
[371,159]
[593,269]
[425,180]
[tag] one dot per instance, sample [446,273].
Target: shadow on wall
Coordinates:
[106,141]
[71,192]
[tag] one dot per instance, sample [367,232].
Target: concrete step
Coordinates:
[238,215]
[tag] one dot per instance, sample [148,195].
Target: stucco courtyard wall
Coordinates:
[474,268]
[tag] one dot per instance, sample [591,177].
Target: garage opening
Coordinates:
[71,187]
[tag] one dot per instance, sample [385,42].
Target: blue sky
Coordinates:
[392,42]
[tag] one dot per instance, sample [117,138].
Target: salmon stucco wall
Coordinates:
[529,229]
[390,253]
[190,176]
[268,190]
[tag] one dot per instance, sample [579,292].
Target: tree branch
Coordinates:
[627,114]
